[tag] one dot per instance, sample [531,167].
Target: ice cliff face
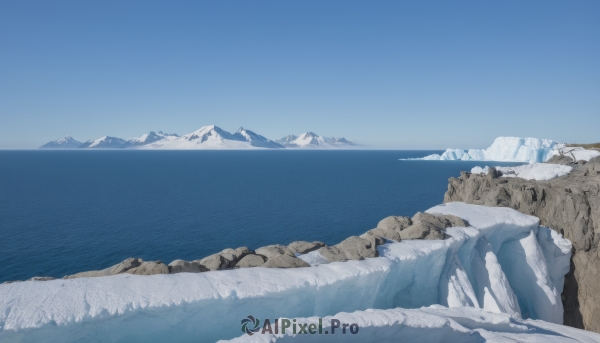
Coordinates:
[504,262]
[508,149]
[570,205]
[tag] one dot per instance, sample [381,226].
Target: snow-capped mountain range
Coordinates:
[207,137]
[312,140]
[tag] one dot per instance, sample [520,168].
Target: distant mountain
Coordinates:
[63,143]
[150,138]
[256,140]
[207,137]
[106,142]
[312,140]
[213,137]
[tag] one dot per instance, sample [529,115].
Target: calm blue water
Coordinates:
[63,212]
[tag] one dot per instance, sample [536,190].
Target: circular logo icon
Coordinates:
[250,325]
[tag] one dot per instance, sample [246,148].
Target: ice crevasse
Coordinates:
[503,263]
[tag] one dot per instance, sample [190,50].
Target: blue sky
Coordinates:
[390,74]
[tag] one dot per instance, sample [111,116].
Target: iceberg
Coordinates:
[535,171]
[506,149]
[503,263]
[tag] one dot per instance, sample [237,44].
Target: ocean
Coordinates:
[63,212]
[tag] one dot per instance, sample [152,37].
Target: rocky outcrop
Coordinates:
[420,226]
[352,248]
[131,265]
[569,205]
[285,261]
[250,261]
[303,247]
[181,266]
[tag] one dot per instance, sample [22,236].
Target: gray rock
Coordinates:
[149,268]
[181,266]
[91,273]
[124,266]
[214,262]
[352,248]
[560,159]
[493,173]
[285,261]
[303,247]
[394,223]
[224,259]
[234,255]
[274,250]
[118,268]
[250,261]
[430,226]
[569,205]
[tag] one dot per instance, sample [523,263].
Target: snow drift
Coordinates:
[505,262]
[507,149]
[535,171]
[431,324]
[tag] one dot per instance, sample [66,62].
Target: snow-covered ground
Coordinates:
[535,171]
[577,153]
[430,324]
[503,263]
[507,149]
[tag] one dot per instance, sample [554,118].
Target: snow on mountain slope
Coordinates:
[503,263]
[312,140]
[535,171]
[256,140]
[507,149]
[434,324]
[150,138]
[106,142]
[213,137]
[63,143]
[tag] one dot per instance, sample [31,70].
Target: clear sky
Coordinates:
[390,74]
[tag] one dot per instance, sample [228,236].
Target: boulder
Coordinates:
[560,159]
[303,247]
[274,250]
[118,268]
[394,223]
[493,173]
[352,248]
[149,268]
[124,266]
[214,262]
[181,266]
[431,226]
[224,259]
[234,255]
[285,261]
[250,260]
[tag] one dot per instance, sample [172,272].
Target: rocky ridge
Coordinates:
[395,228]
[569,205]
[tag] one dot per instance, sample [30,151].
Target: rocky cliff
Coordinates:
[569,205]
